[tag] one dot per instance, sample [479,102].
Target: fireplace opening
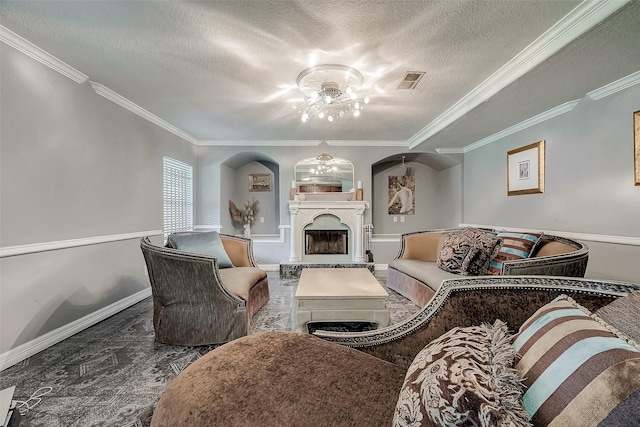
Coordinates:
[326,242]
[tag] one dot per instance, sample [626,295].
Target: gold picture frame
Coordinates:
[259,182]
[525,169]
[636,145]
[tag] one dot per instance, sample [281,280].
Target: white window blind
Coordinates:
[178,196]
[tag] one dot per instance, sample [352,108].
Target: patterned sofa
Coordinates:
[455,363]
[416,274]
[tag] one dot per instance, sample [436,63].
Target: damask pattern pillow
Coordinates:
[485,247]
[467,252]
[514,246]
[452,252]
[579,370]
[463,378]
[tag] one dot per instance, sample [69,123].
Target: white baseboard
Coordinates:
[26,350]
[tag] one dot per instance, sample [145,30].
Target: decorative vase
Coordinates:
[247,230]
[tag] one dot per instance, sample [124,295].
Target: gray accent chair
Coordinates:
[197,303]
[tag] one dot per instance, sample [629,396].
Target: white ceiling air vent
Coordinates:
[411,79]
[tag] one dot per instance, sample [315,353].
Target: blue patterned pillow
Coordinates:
[208,243]
[514,246]
[579,370]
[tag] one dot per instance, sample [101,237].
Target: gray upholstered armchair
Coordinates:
[196,302]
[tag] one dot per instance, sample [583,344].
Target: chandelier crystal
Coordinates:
[325,166]
[330,92]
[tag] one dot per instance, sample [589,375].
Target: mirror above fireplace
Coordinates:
[323,174]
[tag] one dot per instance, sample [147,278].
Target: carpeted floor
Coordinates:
[112,373]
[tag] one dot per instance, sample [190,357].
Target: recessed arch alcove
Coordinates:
[437,181]
[235,180]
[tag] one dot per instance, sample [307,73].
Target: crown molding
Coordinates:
[366,143]
[616,86]
[549,114]
[261,143]
[451,150]
[12,39]
[136,109]
[582,18]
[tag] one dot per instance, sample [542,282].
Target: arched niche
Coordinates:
[244,178]
[432,208]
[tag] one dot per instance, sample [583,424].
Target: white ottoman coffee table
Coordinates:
[340,294]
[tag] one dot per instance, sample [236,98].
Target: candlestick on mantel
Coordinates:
[359,184]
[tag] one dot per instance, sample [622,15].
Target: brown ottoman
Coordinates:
[282,378]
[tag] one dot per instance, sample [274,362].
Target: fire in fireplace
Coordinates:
[326,242]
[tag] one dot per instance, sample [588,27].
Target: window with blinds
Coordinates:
[178,196]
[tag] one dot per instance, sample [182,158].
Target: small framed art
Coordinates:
[259,182]
[525,169]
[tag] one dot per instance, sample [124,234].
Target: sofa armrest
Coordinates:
[571,264]
[472,301]
[239,250]
[421,245]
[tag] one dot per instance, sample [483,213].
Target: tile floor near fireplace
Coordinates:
[112,373]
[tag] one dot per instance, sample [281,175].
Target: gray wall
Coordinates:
[437,199]
[589,186]
[212,171]
[267,200]
[74,165]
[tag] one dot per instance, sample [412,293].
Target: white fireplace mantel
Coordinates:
[350,213]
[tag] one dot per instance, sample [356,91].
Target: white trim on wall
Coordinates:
[305,143]
[261,143]
[257,238]
[366,143]
[72,243]
[595,95]
[616,86]
[217,228]
[386,238]
[12,39]
[26,350]
[136,109]
[601,238]
[542,117]
[582,18]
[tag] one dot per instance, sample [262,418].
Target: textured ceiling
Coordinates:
[225,70]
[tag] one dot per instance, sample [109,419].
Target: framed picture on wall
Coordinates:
[259,182]
[525,169]
[636,144]
[402,197]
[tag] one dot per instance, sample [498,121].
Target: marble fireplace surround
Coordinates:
[350,213]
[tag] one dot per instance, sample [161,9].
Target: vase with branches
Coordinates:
[247,216]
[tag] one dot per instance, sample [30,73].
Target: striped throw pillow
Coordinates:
[577,369]
[514,246]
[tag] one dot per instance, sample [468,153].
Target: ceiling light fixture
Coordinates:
[325,166]
[330,92]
